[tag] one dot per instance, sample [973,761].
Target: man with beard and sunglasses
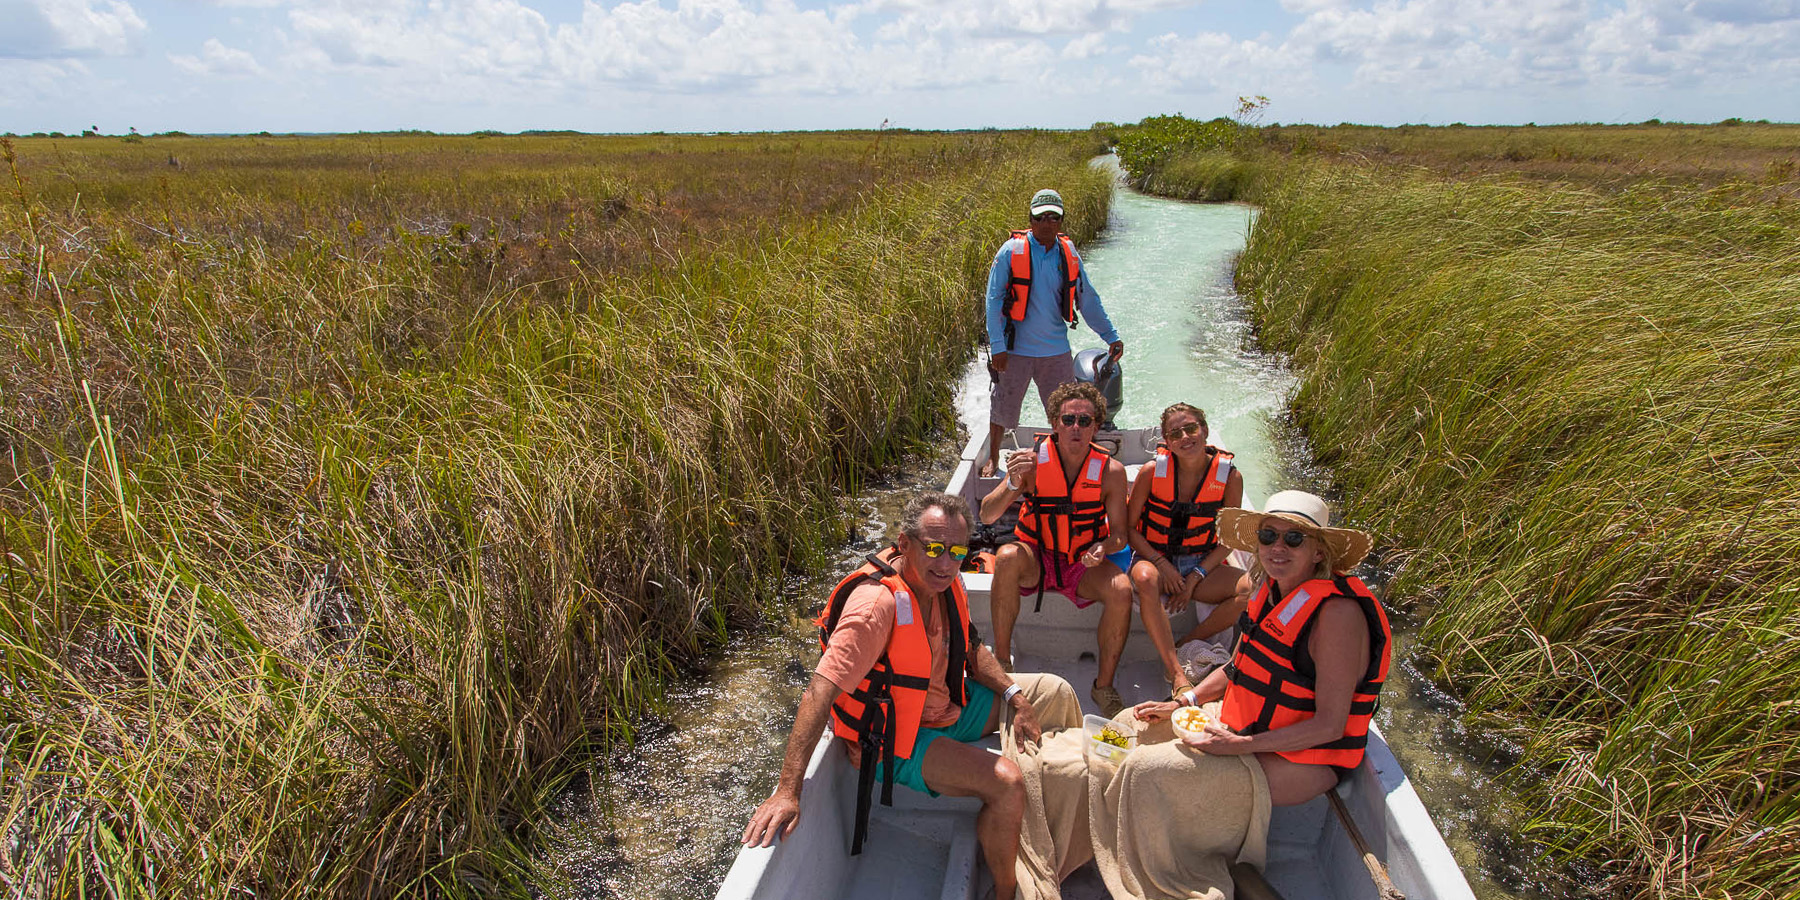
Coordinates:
[1037,293]
[1072,518]
[902,668]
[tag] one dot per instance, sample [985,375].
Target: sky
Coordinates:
[205,66]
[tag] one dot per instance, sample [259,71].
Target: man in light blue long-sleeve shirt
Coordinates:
[1035,348]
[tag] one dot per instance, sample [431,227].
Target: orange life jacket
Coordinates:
[1272,673]
[1060,516]
[1180,527]
[1018,291]
[882,715]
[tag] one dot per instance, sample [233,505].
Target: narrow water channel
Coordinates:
[662,818]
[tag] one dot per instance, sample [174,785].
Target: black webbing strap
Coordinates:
[1043,576]
[887,755]
[838,599]
[959,652]
[1347,742]
[1269,656]
[1047,542]
[874,719]
[1267,714]
[1066,295]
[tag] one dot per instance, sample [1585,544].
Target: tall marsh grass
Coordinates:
[1578,413]
[349,486]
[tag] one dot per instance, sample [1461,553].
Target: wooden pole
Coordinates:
[1377,871]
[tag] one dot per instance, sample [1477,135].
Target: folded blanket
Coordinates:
[1054,841]
[1166,823]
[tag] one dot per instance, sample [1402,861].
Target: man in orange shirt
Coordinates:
[903,620]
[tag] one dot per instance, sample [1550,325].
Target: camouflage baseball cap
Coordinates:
[1045,201]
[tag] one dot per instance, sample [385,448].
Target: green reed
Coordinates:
[1573,417]
[354,486]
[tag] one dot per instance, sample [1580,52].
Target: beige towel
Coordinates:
[1167,823]
[1054,841]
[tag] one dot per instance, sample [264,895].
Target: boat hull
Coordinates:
[925,849]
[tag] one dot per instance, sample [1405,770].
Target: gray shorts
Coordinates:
[1008,394]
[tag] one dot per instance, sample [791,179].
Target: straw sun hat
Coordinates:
[1237,527]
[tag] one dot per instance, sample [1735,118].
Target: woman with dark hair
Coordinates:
[1173,504]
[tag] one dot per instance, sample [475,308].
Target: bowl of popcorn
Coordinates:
[1189,721]
[1106,740]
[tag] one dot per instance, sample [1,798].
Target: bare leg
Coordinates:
[1015,567]
[1219,587]
[1292,783]
[1110,586]
[961,770]
[995,432]
[1147,583]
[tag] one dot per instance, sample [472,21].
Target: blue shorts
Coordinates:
[968,728]
[1185,564]
[1122,559]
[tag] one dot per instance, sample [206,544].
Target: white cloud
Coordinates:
[33,80]
[490,49]
[218,60]
[1217,61]
[1086,46]
[707,45]
[64,29]
[1424,46]
[1011,18]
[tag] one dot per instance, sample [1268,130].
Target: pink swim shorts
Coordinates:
[1061,575]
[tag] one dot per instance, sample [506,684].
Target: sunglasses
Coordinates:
[1047,217]
[1072,419]
[935,549]
[1186,431]
[1268,536]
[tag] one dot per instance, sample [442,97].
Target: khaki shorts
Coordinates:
[1008,393]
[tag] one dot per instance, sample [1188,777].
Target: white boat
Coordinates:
[924,849]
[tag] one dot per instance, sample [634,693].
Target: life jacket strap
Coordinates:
[1347,742]
[870,739]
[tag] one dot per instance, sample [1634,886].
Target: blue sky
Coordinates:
[733,65]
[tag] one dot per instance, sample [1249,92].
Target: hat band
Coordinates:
[1276,512]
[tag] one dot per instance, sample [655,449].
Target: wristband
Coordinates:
[1006,698]
[1202,570]
[1188,696]
[1009,483]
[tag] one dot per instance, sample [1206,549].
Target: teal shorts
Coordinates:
[968,728]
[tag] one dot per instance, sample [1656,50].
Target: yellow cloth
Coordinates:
[1167,823]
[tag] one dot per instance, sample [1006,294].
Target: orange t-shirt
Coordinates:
[862,634]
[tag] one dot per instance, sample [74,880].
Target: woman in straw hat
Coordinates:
[1311,657]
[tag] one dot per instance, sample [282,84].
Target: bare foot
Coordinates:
[989,468]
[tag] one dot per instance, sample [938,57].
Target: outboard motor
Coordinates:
[1097,368]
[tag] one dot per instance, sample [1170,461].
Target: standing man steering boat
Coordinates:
[1037,292]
